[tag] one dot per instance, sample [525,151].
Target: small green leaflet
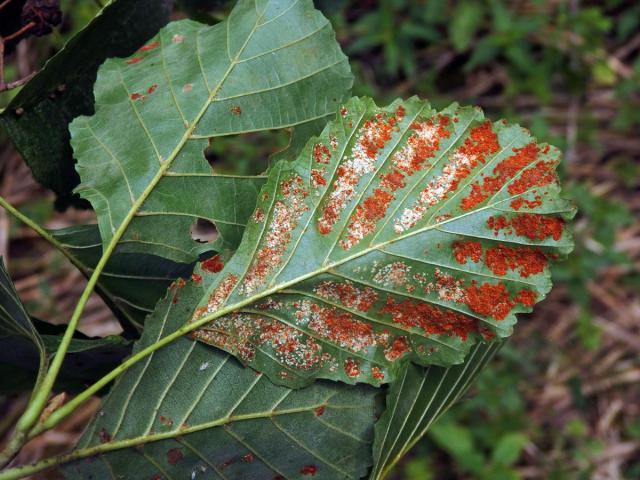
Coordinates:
[270,64]
[417,399]
[399,233]
[187,412]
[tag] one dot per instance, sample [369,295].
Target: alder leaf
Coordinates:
[401,233]
[16,327]
[270,64]
[131,284]
[189,412]
[38,117]
[26,344]
[417,399]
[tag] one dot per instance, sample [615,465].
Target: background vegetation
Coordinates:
[562,400]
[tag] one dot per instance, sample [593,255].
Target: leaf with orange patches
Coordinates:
[399,234]
[189,408]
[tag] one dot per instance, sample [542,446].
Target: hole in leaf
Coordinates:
[204,231]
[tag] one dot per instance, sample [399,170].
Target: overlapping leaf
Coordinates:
[26,345]
[37,119]
[416,400]
[399,233]
[17,328]
[131,284]
[270,64]
[208,417]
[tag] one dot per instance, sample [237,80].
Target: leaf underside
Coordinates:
[20,341]
[131,284]
[399,233]
[417,399]
[208,417]
[270,64]
[62,89]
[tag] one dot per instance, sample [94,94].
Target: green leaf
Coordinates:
[37,118]
[467,18]
[189,412]
[87,360]
[401,233]
[508,449]
[140,157]
[416,400]
[16,328]
[14,319]
[131,284]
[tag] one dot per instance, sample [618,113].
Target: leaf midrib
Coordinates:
[154,437]
[277,288]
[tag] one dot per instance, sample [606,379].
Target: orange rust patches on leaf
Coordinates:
[321,153]
[395,275]
[310,470]
[213,264]
[137,96]
[371,139]
[134,60]
[187,87]
[236,110]
[364,219]
[539,175]
[177,38]
[530,225]
[489,300]
[317,178]
[526,297]
[377,373]
[242,335]
[166,421]
[351,368]
[393,180]
[104,436]
[341,328]
[248,458]
[320,410]
[196,278]
[348,294]
[520,202]
[285,218]
[397,349]
[431,319]
[217,297]
[504,171]
[175,300]
[527,261]
[481,142]
[343,111]
[180,283]
[149,47]
[174,456]
[421,145]
[467,250]
[152,89]
[290,346]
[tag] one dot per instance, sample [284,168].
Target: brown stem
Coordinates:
[2,61]
[24,29]
[4,4]
[16,83]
